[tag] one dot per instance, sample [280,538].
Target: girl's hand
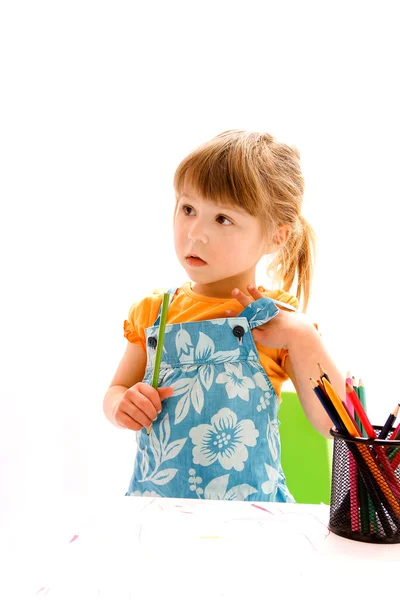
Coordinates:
[140,405]
[279,331]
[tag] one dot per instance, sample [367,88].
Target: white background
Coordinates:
[99,103]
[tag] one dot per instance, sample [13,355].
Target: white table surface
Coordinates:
[134,547]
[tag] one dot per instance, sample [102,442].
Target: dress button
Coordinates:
[152,342]
[238,331]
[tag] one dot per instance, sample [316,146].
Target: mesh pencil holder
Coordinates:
[365,489]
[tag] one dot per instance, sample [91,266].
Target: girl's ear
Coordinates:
[278,240]
[280,237]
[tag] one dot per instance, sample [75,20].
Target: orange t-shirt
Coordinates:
[189,306]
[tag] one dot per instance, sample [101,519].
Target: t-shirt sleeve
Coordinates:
[132,325]
[142,314]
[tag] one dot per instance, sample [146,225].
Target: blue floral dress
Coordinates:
[217,436]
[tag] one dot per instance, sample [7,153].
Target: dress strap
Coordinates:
[171,293]
[259,312]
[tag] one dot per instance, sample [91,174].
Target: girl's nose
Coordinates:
[197,233]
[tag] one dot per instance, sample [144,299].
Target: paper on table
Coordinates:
[199,549]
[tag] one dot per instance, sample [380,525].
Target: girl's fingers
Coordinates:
[245,300]
[126,421]
[138,415]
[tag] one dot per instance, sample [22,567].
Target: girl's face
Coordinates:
[229,242]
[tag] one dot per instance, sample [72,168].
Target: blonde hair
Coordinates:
[253,171]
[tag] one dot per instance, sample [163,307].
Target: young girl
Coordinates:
[228,344]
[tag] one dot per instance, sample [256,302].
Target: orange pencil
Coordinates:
[354,505]
[354,516]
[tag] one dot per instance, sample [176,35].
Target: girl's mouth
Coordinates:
[195,261]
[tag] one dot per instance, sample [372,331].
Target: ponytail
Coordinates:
[296,261]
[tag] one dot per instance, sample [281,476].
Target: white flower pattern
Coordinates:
[236,384]
[217,490]
[270,486]
[272,434]
[162,451]
[225,440]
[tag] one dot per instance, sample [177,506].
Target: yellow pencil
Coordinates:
[338,404]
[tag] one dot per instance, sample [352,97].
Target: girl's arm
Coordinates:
[306,350]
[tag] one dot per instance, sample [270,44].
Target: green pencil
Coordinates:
[361,395]
[363,399]
[160,343]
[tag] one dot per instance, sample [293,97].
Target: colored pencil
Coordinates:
[353,471]
[396,433]
[349,405]
[389,422]
[328,406]
[361,394]
[354,399]
[160,344]
[396,461]
[322,373]
[367,511]
[360,391]
[356,501]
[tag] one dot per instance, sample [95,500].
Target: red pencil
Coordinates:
[354,399]
[396,461]
[396,433]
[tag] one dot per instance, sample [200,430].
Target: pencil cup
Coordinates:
[365,489]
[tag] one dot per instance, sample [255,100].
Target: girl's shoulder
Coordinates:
[282,297]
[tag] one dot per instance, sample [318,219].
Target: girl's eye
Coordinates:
[224,218]
[186,209]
